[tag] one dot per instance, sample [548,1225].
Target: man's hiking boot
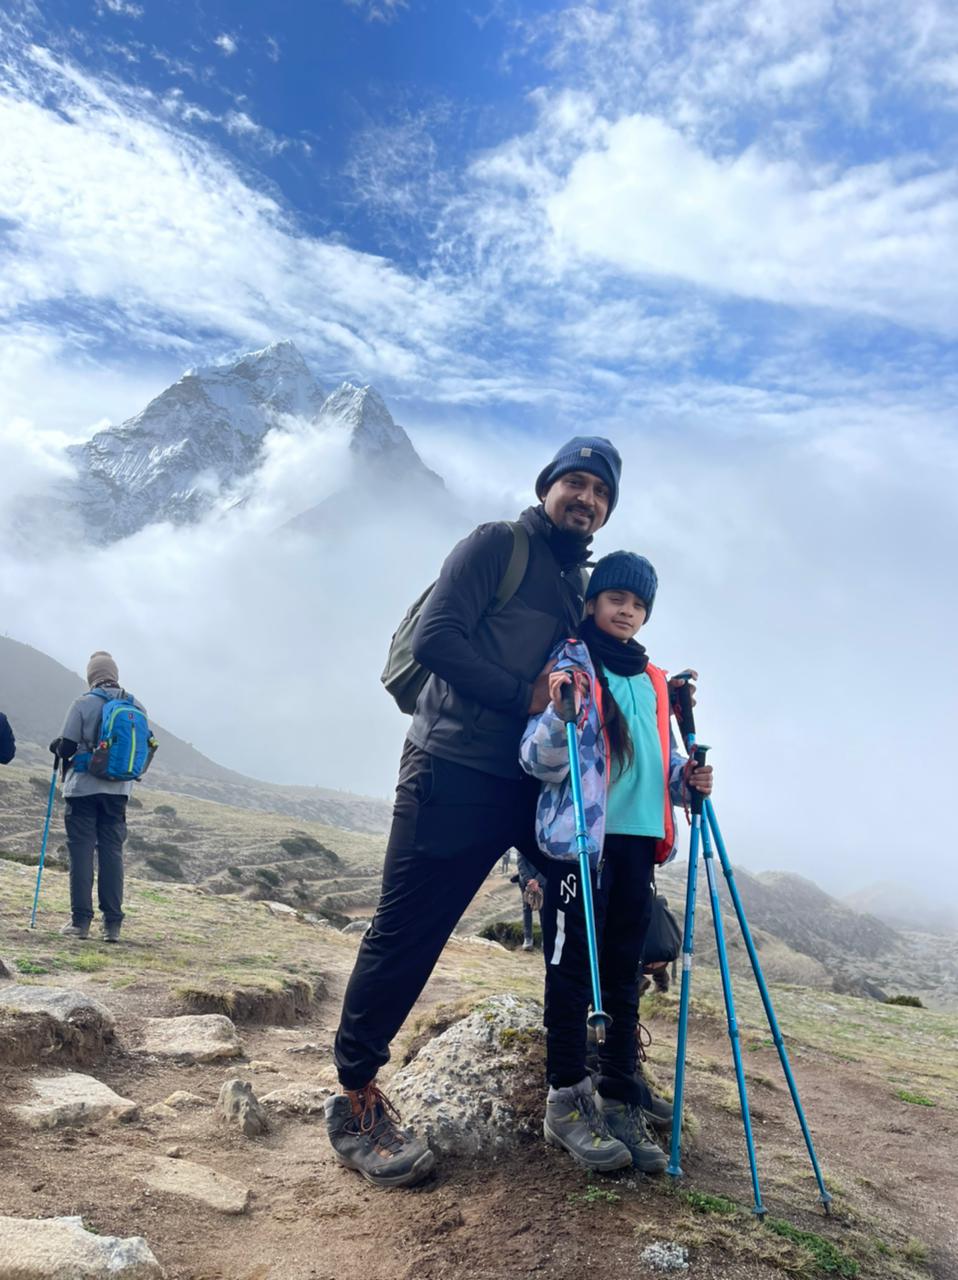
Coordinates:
[626,1121]
[658,1112]
[111,931]
[573,1121]
[76,930]
[364,1132]
[527,944]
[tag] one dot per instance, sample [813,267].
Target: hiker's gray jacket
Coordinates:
[82,726]
[474,706]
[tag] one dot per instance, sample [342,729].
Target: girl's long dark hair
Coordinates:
[615,725]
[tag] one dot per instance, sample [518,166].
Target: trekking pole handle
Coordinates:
[696,798]
[682,707]
[567,711]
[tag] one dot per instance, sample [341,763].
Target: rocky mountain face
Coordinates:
[196,443]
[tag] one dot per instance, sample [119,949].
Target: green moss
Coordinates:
[910,1002]
[827,1258]
[509,933]
[594,1195]
[702,1202]
[26,965]
[916,1099]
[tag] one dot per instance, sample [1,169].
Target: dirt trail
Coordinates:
[892,1167]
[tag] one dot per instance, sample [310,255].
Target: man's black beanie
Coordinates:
[594,454]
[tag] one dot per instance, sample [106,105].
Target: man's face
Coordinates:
[577,502]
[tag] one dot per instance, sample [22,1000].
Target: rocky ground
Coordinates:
[217,1194]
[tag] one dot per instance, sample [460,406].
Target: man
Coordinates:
[461,798]
[95,815]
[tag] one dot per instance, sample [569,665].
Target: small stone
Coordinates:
[356,926]
[5,970]
[297,1099]
[180,1099]
[258,1064]
[239,1106]
[203,1037]
[174,1153]
[280,909]
[198,1183]
[665,1255]
[309,1047]
[160,1111]
[73,1099]
[60,1249]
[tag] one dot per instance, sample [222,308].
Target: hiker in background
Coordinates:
[531,884]
[95,816]
[8,743]
[631,774]
[462,799]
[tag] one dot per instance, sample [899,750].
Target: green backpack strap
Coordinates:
[515,569]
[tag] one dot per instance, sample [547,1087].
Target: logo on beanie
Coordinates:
[585,453]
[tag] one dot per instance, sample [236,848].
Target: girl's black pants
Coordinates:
[622,894]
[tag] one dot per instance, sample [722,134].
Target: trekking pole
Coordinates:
[682,705]
[687,725]
[712,822]
[43,846]
[758,1208]
[598,1019]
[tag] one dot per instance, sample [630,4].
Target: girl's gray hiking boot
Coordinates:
[573,1122]
[627,1122]
[364,1132]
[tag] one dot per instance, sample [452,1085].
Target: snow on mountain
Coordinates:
[203,436]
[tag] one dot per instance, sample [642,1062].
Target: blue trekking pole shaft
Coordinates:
[678,1097]
[733,1034]
[598,1019]
[43,846]
[766,999]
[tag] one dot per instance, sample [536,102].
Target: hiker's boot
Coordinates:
[364,1132]
[658,1113]
[527,944]
[76,930]
[573,1122]
[626,1121]
[111,930]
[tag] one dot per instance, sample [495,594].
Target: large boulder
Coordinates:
[60,1249]
[70,1100]
[201,1037]
[458,1091]
[52,1024]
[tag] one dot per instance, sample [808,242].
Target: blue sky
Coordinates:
[723,232]
[526,205]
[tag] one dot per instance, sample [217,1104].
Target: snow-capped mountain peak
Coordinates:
[201,440]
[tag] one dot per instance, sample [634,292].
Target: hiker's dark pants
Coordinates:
[451,825]
[96,823]
[622,894]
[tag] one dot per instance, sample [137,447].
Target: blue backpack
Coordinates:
[125,744]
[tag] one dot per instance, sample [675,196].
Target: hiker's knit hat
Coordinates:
[625,571]
[594,454]
[101,669]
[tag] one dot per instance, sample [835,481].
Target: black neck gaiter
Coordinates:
[629,659]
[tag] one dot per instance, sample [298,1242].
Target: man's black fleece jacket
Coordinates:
[474,706]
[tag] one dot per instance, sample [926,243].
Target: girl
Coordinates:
[631,773]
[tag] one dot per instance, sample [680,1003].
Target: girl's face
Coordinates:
[618,613]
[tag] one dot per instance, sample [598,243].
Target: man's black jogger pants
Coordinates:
[451,824]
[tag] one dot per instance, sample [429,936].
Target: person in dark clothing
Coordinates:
[462,798]
[95,816]
[8,743]
[531,884]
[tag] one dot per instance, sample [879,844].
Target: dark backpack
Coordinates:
[663,941]
[402,675]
